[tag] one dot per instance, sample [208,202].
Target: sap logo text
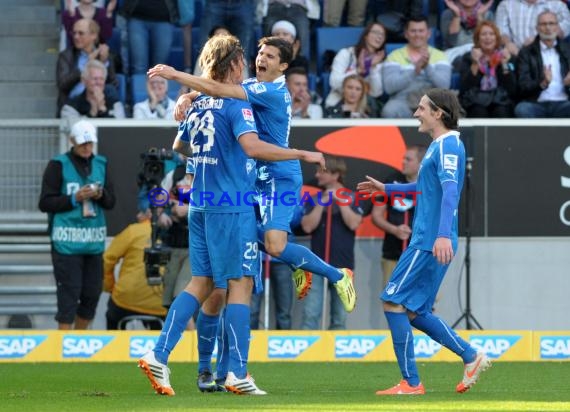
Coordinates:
[425,347]
[289,347]
[81,346]
[494,346]
[139,345]
[19,346]
[356,346]
[555,347]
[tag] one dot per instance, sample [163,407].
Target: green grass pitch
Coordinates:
[340,386]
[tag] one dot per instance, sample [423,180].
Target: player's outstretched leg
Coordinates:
[345,290]
[303,280]
[310,264]
[437,329]
[472,371]
[158,374]
[154,363]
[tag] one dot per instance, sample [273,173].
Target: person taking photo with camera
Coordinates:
[75,190]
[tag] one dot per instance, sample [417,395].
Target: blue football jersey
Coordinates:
[223,174]
[271,104]
[444,161]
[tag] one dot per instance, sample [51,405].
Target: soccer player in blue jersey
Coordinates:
[409,295]
[271,102]
[221,136]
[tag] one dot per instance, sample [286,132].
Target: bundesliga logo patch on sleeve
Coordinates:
[450,162]
[247,115]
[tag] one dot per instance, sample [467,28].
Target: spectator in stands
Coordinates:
[296,12]
[301,100]
[150,27]
[355,102]
[98,99]
[488,81]
[394,14]
[236,16]
[130,293]
[286,31]
[333,11]
[158,105]
[72,61]
[516,20]
[409,71]
[459,20]
[331,240]
[86,9]
[75,190]
[543,69]
[364,59]
[395,218]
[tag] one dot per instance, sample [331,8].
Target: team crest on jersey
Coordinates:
[247,115]
[258,88]
[450,162]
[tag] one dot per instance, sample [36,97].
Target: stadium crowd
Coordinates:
[499,55]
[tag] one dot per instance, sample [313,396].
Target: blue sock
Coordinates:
[440,332]
[237,330]
[300,256]
[403,341]
[223,348]
[206,327]
[178,316]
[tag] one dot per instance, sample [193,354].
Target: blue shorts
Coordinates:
[278,198]
[415,281]
[223,246]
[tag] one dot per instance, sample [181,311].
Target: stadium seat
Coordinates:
[312,82]
[138,321]
[196,46]
[325,86]
[122,88]
[114,42]
[455,81]
[334,38]
[197,13]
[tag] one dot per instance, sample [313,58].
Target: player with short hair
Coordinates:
[409,295]
[221,136]
[271,101]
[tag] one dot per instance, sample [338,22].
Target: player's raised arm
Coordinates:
[370,185]
[201,84]
[258,149]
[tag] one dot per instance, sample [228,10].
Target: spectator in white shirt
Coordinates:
[516,19]
[158,105]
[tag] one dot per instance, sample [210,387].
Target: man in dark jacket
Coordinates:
[544,73]
[75,190]
[72,61]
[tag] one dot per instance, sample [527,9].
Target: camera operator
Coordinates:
[130,293]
